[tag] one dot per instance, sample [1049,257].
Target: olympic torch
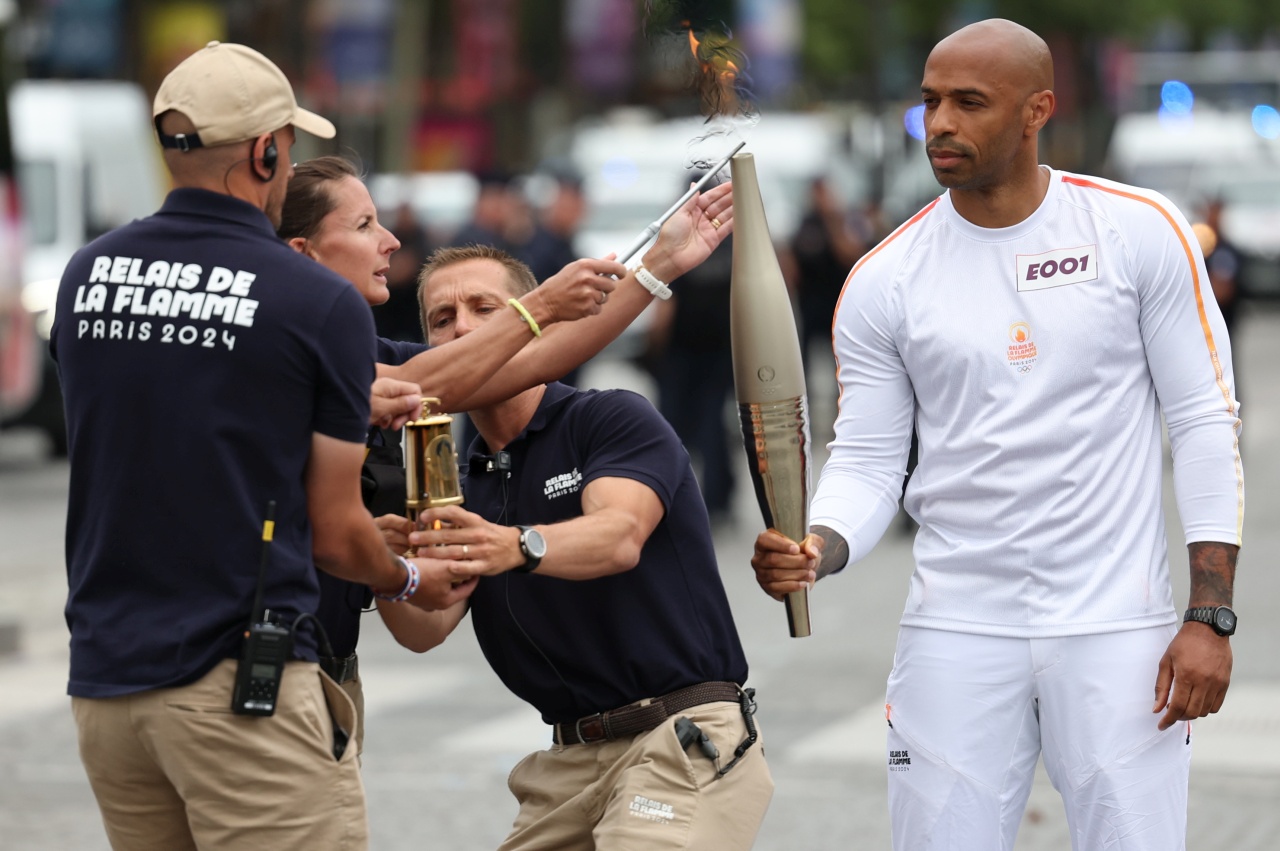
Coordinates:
[768,374]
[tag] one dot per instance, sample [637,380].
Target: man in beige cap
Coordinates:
[217,393]
[220,98]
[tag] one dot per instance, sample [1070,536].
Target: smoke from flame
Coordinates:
[719,75]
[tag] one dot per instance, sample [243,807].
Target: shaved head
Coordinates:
[188,167]
[987,92]
[236,168]
[1016,54]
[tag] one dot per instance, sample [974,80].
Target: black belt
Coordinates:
[642,716]
[341,668]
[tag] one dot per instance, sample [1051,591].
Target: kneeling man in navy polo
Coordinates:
[601,603]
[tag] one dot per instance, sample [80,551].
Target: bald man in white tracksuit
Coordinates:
[1033,326]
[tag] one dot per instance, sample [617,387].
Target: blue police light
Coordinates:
[1176,97]
[913,120]
[1266,121]
[620,172]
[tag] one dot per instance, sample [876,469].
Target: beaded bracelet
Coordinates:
[410,584]
[528,317]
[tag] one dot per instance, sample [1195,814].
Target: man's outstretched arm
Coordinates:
[686,240]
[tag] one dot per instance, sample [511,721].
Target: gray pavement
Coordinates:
[443,733]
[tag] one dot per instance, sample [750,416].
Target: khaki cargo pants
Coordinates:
[174,769]
[643,792]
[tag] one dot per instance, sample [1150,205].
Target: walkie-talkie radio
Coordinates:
[267,646]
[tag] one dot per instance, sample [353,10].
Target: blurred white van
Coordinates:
[1167,153]
[19,347]
[1205,155]
[87,161]
[633,168]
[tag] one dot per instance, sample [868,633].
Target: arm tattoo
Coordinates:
[834,554]
[1213,573]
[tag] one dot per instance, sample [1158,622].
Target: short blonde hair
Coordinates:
[520,279]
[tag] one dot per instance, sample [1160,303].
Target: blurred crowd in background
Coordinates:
[559,128]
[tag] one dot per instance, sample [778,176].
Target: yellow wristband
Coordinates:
[528,317]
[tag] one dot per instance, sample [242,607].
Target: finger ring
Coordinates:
[715,223]
[604,297]
[464,549]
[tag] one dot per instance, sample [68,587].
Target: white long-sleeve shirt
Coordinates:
[1036,361]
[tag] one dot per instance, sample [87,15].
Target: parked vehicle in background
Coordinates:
[1204,155]
[1250,197]
[86,162]
[20,358]
[1200,127]
[634,168]
[1227,80]
[20,364]
[1167,152]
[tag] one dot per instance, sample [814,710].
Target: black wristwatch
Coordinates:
[534,548]
[1221,618]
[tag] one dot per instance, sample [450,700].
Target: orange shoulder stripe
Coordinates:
[1204,325]
[902,228]
[1195,277]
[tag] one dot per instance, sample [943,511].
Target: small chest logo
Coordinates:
[1022,349]
[565,483]
[899,760]
[1058,268]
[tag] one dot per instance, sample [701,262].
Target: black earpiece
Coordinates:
[270,157]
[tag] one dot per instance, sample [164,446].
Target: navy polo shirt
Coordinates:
[199,355]
[573,648]
[343,602]
[396,352]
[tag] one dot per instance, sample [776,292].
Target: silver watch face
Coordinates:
[535,546]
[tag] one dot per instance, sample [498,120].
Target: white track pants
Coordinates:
[969,714]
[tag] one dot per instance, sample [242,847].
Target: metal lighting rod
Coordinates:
[652,230]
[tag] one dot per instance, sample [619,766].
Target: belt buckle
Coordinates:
[577,727]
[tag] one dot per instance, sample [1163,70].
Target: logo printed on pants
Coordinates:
[1058,268]
[647,808]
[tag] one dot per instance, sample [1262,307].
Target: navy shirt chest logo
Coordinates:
[563,484]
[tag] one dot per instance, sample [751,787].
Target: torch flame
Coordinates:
[721,79]
[717,72]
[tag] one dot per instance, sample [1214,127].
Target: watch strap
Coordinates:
[1200,614]
[1209,615]
[531,562]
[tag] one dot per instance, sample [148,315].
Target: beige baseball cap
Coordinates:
[232,93]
